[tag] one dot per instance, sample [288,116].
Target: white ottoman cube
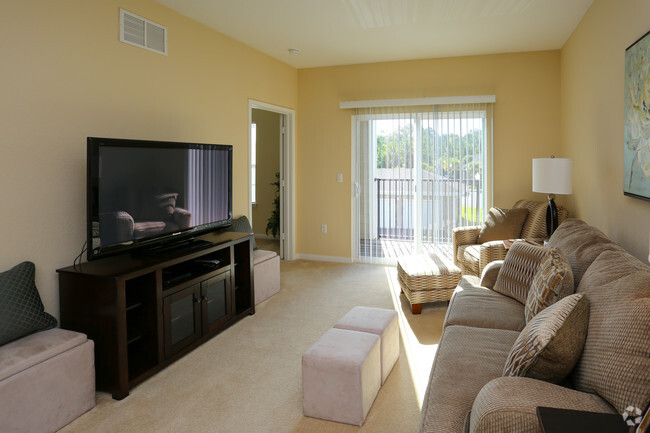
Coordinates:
[376,321]
[341,376]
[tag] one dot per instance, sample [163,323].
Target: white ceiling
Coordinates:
[341,32]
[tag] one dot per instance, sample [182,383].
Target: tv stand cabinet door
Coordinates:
[182,319]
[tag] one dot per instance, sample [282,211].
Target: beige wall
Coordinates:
[66,76]
[592,65]
[268,163]
[526,125]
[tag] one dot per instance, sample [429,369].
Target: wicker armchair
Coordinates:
[472,257]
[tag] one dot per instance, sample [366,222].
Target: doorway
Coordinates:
[271,137]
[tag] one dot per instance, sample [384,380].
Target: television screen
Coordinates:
[144,193]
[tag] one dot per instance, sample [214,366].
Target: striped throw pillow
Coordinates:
[519,268]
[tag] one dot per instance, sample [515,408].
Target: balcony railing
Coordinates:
[446,203]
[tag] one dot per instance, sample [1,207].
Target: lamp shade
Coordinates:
[553,175]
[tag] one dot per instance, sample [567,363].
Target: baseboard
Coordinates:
[265,236]
[319,258]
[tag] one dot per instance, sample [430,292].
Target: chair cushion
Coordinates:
[519,268]
[21,308]
[502,224]
[550,344]
[552,282]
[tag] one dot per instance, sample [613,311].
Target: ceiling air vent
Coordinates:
[141,32]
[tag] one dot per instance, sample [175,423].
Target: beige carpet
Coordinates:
[248,378]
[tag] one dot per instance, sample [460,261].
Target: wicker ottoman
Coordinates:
[426,278]
[341,376]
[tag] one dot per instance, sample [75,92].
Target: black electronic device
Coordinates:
[150,194]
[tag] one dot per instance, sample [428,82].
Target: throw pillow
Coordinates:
[552,282]
[519,267]
[502,224]
[21,308]
[242,225]
[550,345]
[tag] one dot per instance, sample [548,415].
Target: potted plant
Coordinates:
[273,224]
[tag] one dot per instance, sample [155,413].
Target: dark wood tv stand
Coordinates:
[144,312]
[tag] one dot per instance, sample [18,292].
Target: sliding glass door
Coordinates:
[420,171]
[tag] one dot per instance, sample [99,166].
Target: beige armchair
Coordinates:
[471,257]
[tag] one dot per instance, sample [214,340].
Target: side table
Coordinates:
[554,420]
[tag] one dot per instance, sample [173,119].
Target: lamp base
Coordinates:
[551,216]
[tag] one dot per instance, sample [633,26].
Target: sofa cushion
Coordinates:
[519,268]
[615,362]
[502,224]
[467,359]
[581,244]
[552,282]
[33,349]
[550,344]
[508,404]
[21,309]
[474,305]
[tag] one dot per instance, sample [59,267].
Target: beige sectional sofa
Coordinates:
[602,365]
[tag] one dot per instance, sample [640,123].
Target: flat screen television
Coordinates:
[154,194]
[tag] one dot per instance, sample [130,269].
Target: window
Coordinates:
[420,171]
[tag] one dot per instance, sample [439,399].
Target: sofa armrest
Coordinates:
[464,236]
[508,404]
[490,273]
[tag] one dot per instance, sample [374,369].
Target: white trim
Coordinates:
[319,258]
[289,164]
[265,236]
[409,102]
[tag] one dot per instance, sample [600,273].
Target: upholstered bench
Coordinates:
[377,321]
[427,278]
[47,379]
[266,264]
[341,376]
[266,274]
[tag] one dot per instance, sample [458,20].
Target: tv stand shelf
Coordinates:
[144,312]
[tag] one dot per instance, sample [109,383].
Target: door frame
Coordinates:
[287,175]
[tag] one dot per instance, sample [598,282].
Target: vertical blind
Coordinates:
[420,171]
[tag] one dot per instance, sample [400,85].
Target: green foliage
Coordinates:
[446,154]
[273,224]
[472,216]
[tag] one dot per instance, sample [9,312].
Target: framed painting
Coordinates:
[636,151]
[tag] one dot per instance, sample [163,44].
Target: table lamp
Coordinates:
[552,176]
